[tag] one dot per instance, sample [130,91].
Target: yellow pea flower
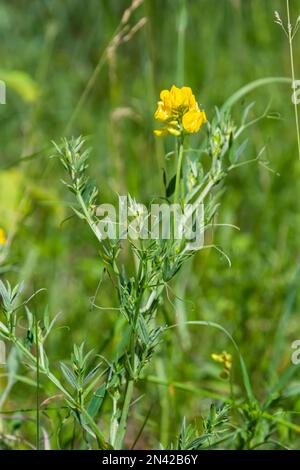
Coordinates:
[193,120]
[2,237]
[226,359]
[179,112]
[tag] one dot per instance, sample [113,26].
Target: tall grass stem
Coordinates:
[290,38]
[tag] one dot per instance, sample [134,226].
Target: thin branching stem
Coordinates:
[290,39]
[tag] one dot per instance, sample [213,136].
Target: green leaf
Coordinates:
[78,213]
[235,155]
[91,374]
[5,295]
[124,342]
[96,401]
[283,380]
[250,87]
[164,178]
[69,375]
[171,187]
[143,330]
[21,83]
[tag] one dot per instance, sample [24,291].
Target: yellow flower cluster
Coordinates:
[2,237]
[179,111]
[226,359]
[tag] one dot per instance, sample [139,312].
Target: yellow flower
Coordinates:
[226,359]
[2,237]
[179,112]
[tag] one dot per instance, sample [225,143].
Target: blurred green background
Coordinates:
[49,51]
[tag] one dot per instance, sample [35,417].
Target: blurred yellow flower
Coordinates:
[226,359]
[2,237]
[179,111]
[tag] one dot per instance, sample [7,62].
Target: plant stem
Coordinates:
[178,172]
[37,384]
[290,38]
[182,24]
[165,403]
[131,375]
[124,415]
[88,217]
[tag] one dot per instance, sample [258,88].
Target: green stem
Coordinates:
[165,403]
[131,376]
[37,384]
[102,444]
[177,185]
[182,25]
[293,72]
[88,217]
[178,172]
[124,415]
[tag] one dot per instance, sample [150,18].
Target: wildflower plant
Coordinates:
[214,427]
[87,381]
[157,260]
